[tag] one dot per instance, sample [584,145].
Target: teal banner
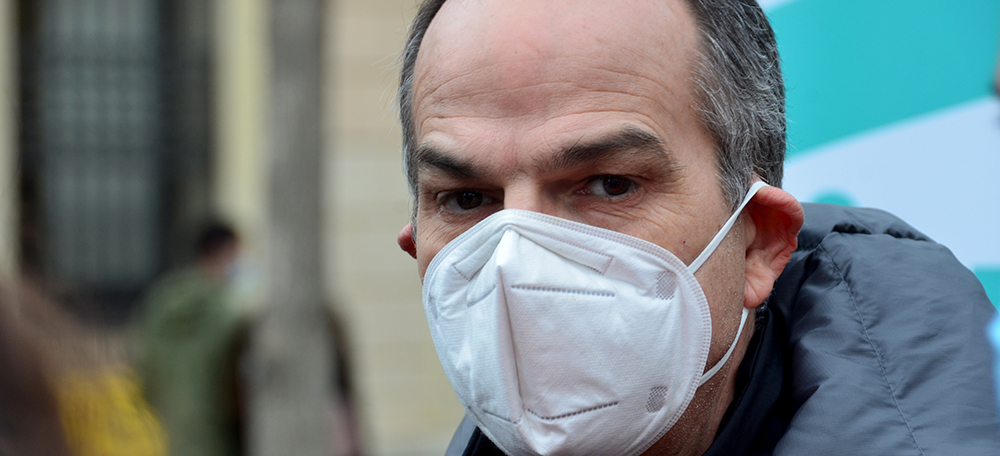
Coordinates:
[854,65]
[891,105]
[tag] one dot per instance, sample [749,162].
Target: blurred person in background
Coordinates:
[65,388]
[345,434]
[29,415]
[190,339]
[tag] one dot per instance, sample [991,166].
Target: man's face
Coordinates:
[583,110]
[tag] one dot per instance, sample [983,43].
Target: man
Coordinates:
[190,338]
[611,152]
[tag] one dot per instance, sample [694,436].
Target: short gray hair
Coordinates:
[741,97]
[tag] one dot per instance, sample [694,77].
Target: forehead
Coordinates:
[504,80]
[548,28]
[499,44]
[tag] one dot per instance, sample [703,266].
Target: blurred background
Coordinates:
[127,126]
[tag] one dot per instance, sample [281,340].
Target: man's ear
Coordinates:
[405,240]
[772,226]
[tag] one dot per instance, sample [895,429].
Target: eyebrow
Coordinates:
[425,156]
[628,140]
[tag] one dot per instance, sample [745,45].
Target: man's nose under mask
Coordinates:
[564,338]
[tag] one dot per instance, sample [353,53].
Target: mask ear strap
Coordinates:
[693,267]
[715,369]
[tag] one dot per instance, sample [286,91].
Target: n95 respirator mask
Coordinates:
[561,338]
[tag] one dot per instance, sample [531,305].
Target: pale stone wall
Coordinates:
[242,50]
[407,405]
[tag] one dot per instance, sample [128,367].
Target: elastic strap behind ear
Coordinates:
[693,267]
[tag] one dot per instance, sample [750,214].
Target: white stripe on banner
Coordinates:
[769,5]
[939,172]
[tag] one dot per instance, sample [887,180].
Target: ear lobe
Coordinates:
[405,240]
[775,218]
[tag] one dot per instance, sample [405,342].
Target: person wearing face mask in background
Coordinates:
[190,336]
[610,266]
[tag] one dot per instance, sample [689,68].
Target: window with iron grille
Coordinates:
[115,139]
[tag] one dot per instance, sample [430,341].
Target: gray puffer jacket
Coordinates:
[887,342]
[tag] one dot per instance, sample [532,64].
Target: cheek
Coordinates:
[724,273]
[425,253]
[430,241]
[669,226]
[722,278]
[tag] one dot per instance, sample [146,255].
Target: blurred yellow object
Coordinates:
[105,414]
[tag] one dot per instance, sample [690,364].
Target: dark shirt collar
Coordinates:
[760,411]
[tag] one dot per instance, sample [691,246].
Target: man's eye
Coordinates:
[610,186]
[466,200]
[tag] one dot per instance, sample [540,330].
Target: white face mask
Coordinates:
[563,338]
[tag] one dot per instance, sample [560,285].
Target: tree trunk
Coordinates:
[291,365]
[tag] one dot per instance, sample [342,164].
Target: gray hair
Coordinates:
[741,97]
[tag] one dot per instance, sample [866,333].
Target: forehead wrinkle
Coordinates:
[451,68]
[493,102]
[429,79]
[492,65]
[446,101]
